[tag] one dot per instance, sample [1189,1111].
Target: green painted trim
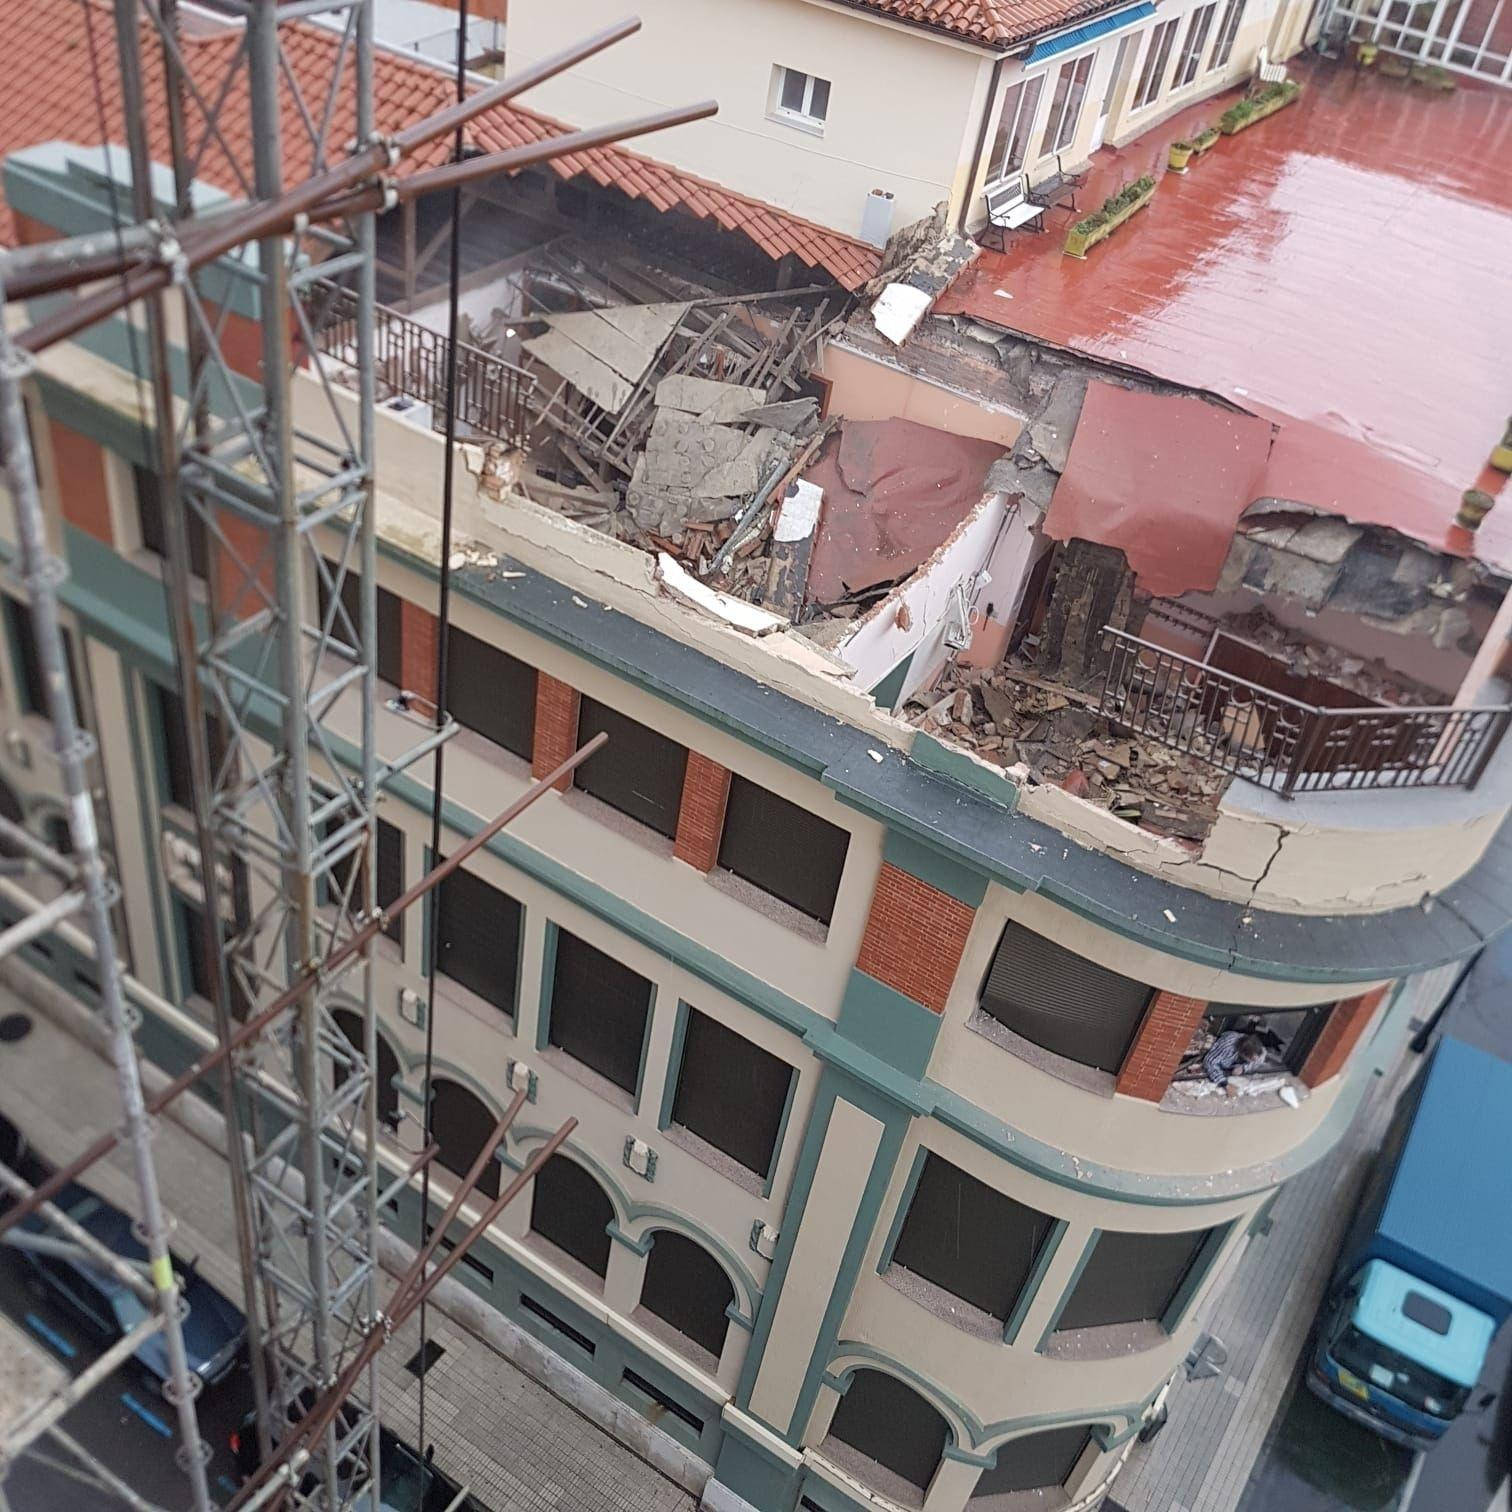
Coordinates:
[1068,1290]
[1261,1222]
[674,1065]
[935,756]
[548,984]
[968,1456]
[885,693]
[1197,1273]
[929,864]
[641,1246]
[965,1428]
[905,1092]
[770,1180]
[747,1467]
[883,1021]
[645,1050]
[900,1213]
[619,1200]
[1034,1281]
[741,1276]
[738,1318]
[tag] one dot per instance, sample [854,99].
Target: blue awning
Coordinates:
[1066,40]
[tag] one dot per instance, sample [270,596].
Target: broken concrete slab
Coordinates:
[789,415]
[706,397]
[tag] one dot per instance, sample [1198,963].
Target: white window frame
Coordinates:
[1030,87]
[1156,82]
[1194,44]
[1072,106]
[1228,31]
[804,118]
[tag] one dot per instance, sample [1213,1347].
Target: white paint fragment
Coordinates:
[1170,917]
[582,603]
[1290,1098]
[800,512]
[876,756]
[1002,294]
[898,309]
[733,611]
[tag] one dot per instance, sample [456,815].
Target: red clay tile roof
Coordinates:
[992,23]
[47,87]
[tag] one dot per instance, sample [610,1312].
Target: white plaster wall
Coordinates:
[903,111]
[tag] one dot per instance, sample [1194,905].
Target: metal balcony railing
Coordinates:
[492,395]
[1267,738]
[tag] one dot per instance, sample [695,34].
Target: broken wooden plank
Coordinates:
[793,536]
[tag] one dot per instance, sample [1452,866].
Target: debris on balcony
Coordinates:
[1013,717]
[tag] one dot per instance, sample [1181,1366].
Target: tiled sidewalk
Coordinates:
[519,1447]
[1202,1460]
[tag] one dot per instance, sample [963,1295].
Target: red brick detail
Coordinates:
[915,936]
[1165,1035]
[29,230]
[556,727]
[700,816]
[1340,1035]
[79,466]
[244,561]
[418,631]
[240,341]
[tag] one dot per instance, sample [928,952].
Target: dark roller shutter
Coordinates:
[490,691]
[479,938]
[598,1010]
[975,1242]
[390,880]
[385,1073]
[1062,1002]
[688,1288]
[783,849]
[569,1208]
[889,1422]
[461,1124]
[1131,1278]
[1035,1462]
[730,1092]
[640,772]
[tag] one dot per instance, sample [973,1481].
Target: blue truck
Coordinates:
[1424,1279]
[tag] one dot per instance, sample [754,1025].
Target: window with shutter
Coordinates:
[1034,1462]
[1132,1278]
[478,944]
[888,1422]
[346,627]
[568,1208]
[1062,1002]
[640,772]
[686,1287]
[783,848]
[599,1011]
[491,692]
[970,1239]
[730,1093]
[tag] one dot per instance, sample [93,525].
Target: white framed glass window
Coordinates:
[1195,45]
[1010,147]
[1157,55]
[1066,104]
[802,98]
[1228,29]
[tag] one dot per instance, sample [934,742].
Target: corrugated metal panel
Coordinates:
[1061,1001]
[1066,40]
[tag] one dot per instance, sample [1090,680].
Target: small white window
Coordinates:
[801,98]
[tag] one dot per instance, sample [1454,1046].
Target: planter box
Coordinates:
[1206,142]
[1079,242]
[1290,91]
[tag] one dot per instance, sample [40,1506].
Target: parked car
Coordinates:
[214,1330]
[411,1483]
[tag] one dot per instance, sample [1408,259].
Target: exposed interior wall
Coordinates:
[691,50]
[867,390]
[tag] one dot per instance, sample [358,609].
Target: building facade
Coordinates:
[878,1188]
[810,117]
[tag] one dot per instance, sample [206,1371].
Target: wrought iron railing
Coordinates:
[411,359]
[1286,745]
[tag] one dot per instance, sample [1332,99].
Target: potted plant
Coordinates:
[1204,140]
[1265,101]
[1501,456]
[1394,67]
[1178,155]
[1115,210]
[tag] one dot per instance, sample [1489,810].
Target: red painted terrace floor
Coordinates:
[1344,268]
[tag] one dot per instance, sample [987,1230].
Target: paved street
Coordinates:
[496,1429]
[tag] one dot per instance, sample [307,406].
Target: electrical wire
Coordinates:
[443,637]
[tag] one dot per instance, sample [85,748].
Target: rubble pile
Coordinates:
[1009,716]
[1373,680]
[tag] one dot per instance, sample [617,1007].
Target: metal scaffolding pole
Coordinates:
[41,575]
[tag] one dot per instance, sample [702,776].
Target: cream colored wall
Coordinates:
[1000,1382]
[903,111]
[1122,1132]
[868,390]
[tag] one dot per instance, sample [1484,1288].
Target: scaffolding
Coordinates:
[283,791]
